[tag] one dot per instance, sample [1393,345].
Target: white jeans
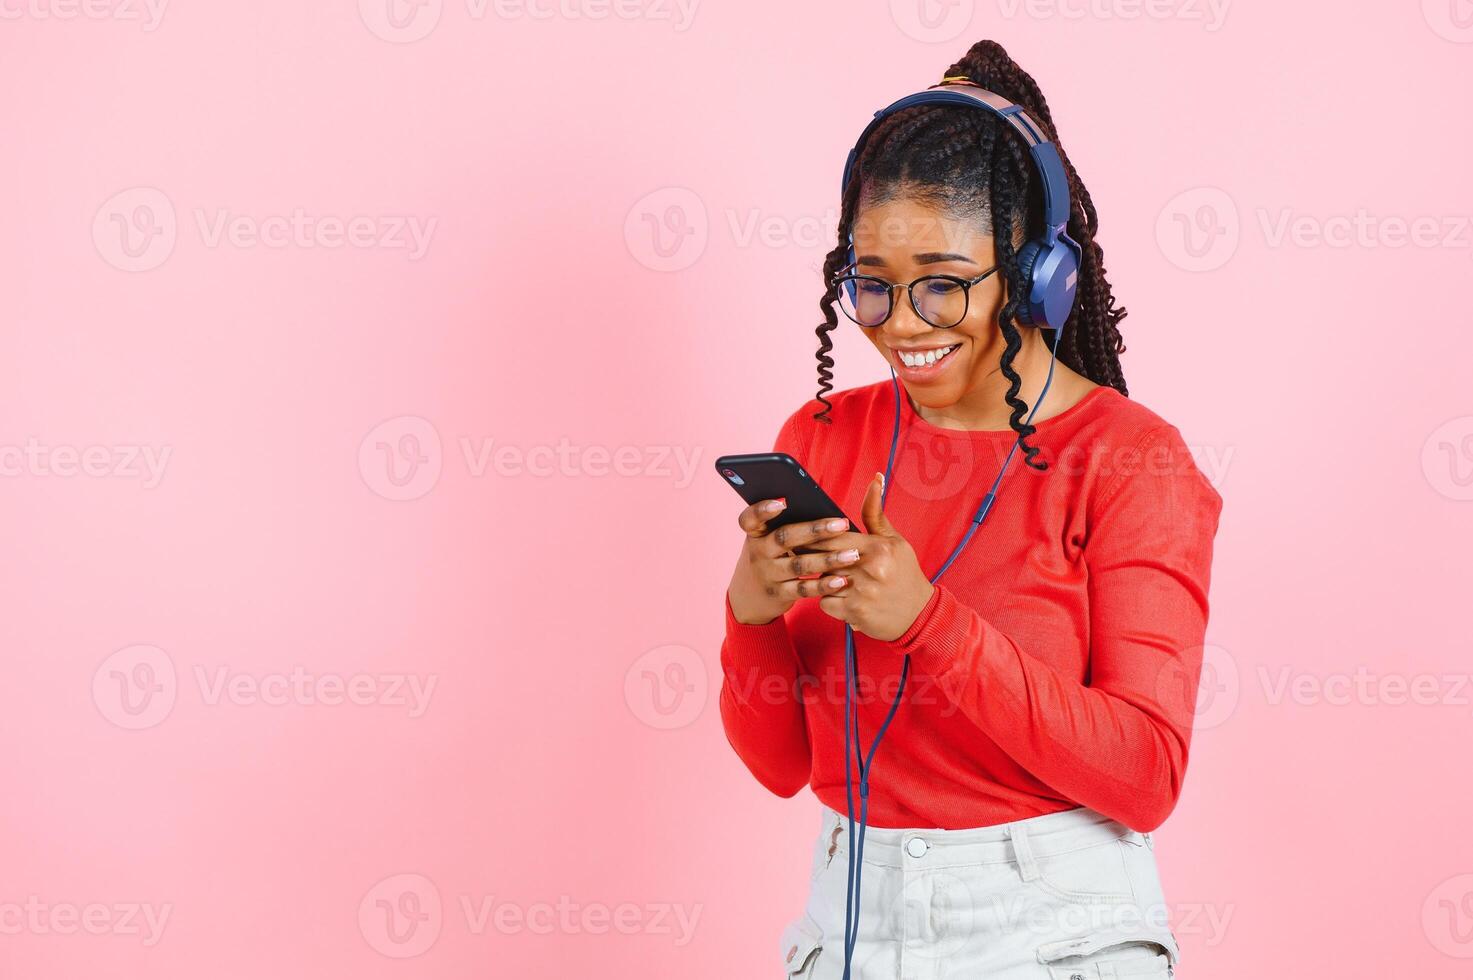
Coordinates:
[1072,895]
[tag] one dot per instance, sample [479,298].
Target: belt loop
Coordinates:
[1022,853]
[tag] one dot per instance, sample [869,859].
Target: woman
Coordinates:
[1046,685]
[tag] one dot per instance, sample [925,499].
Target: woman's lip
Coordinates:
[923,374]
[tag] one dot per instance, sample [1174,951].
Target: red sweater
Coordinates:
[1057,662]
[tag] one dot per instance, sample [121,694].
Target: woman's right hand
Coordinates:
[769,577]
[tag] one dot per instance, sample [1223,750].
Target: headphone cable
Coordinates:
[863,761]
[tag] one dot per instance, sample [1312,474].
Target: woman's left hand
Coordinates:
[886,590]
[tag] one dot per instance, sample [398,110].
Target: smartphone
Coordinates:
[765,476]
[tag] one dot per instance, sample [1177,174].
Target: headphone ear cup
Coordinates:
[1027,259]
[1050,273]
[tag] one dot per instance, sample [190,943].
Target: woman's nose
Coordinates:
[903,320]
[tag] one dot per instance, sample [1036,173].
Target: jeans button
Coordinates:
[916,847]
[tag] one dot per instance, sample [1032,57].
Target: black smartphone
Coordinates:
[765,476]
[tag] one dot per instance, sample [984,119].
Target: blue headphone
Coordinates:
[1050,267]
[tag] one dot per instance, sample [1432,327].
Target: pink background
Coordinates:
[459,464]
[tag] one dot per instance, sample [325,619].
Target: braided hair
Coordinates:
[964,162]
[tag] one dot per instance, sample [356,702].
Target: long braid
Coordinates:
[832,265]
[958,160]
[1008,185]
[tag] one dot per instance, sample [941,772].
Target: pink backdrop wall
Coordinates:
[363,367]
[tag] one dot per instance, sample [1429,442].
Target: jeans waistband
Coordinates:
[1019,842]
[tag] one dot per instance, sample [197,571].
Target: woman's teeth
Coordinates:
[926,358]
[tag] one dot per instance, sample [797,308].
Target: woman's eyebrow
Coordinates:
[921,258]
[928,258]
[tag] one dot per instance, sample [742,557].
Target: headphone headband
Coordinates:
[959,90]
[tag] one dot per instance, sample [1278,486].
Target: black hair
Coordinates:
[965,162]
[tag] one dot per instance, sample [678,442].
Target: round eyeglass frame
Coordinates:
[841,282]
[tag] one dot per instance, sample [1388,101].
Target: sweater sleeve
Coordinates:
[1117,741]
[761,704]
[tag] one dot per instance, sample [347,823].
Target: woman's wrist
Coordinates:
[747,617]
[921,618]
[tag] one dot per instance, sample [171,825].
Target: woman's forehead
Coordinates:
[909,224]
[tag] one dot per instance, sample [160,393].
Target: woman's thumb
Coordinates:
[875,521]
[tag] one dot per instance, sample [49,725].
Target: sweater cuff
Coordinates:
[939,634]
[765,645]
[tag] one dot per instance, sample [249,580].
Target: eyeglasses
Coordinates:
[940,300]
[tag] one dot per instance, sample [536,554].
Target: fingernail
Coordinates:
[773,506]
[851,555]
[836,582]
[837,524]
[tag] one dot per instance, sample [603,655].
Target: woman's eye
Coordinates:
[872,289]
[941,287]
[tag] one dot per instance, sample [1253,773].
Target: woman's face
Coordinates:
[903,239]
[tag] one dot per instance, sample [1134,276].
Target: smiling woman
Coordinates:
[943,193]
[1037,707]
